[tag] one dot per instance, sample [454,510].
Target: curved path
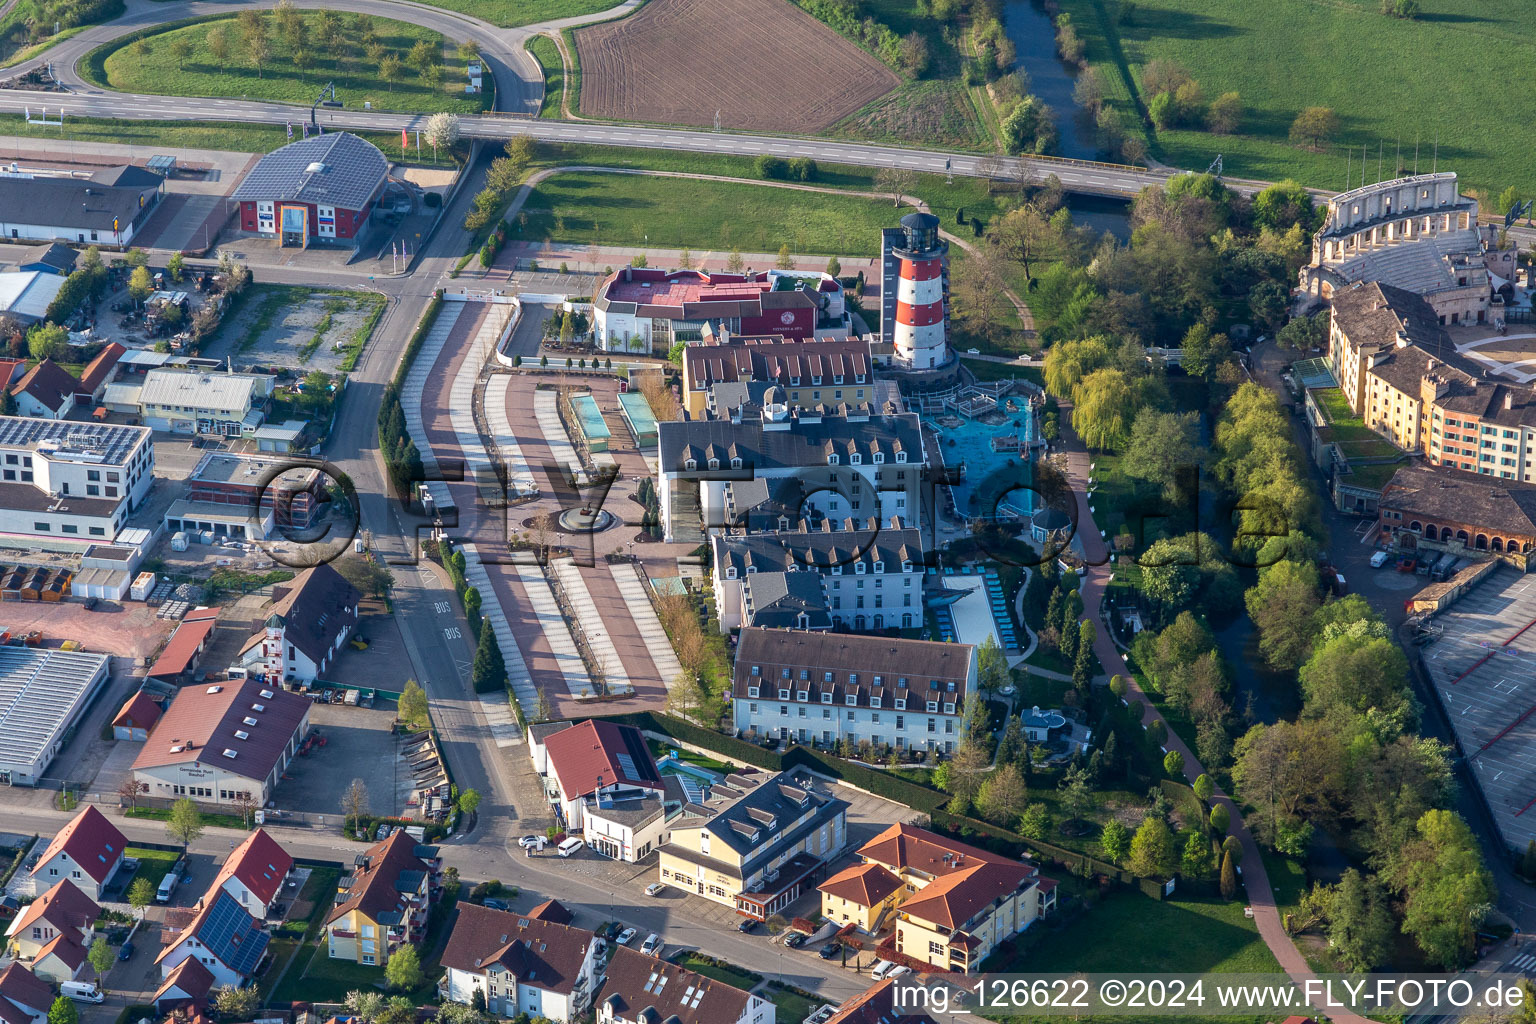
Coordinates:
[1255,879]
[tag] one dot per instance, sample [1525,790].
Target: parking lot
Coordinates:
[359,745]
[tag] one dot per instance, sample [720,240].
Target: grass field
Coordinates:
[152,65]
[623,209]
[544,50]
[1285,55]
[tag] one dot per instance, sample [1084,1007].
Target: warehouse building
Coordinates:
[64,485]
[108,208]
[43,694]
[321,189]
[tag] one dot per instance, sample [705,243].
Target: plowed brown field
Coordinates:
[765,65]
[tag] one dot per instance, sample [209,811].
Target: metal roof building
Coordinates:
[42,695]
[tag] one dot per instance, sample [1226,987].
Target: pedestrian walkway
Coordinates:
[657,644]
[584,610]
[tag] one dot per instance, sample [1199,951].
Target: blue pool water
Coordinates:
[970,445]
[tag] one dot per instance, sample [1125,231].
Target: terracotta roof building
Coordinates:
[956,903]
[310,620]
[88,851]
[641,989]
[222,739]
[520,964]
[383,902]
[254,873]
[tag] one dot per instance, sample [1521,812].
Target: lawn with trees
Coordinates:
[1281,58]
[288,56]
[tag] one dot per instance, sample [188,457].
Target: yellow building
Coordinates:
[765,843]
[953,903]
[383,902]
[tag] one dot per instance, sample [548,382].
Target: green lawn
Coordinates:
[153,864]
[547,53]
[151,64]
[741,978]
[1284,55]
[621,209]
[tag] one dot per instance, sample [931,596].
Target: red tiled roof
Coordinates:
[189,977]
[64,906]
[140,712]
[91,841]
[552,910]
[864,884]
[202,721]
[183,645]
[259,863]
[99,369]
[594,754]
[24,988]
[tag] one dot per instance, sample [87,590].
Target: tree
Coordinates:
[403,971]
[1220,819]
[1003,795]
[141,893]
[63,1011]
[1446,888]
[234,1003]
[1152,851]
[413,704]
[469,801]
[1228,876]
[185,823]
[442,132]
[1114,840]
[101,957]
[1225,113]
[1281,605]
[1173,764]
[991,666]
[1315,126]
[354,802]
[390,70]
[785,261]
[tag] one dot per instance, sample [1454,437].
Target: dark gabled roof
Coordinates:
[861,666]
[352,171]
[637,983]
[312,609]
[49,383]
[779,599]
[543,953]
[1497,507]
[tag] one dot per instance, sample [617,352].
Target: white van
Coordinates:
[81,991]
[571,845]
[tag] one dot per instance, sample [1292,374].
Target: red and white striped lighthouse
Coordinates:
[921,319]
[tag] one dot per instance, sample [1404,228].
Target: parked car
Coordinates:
[655,889]
[652,945]
[127,951]
[830,951]
[625,937]
[748,924]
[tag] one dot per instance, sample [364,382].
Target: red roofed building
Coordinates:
[223,739]
[254,873]
[137,717]
[956,902]
[595,759]
[639,309]
[87,851]
[53,932]
[24,998]
[185,646]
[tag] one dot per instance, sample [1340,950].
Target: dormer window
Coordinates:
[879,458]
[736,463]
[832,460]
[901,456]
[690,464]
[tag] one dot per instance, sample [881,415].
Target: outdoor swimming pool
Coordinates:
[988,473]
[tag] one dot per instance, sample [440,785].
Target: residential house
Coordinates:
[188,988]
[594,766]
[956,902]
[383,902]
[254,873]
[223,937]
[871,574]
[825,688]
[224,742]
[520,964]
[310,621]
[53,932]
[756,843]
[136,718]
[24,997]
[641,989]
[88,851]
